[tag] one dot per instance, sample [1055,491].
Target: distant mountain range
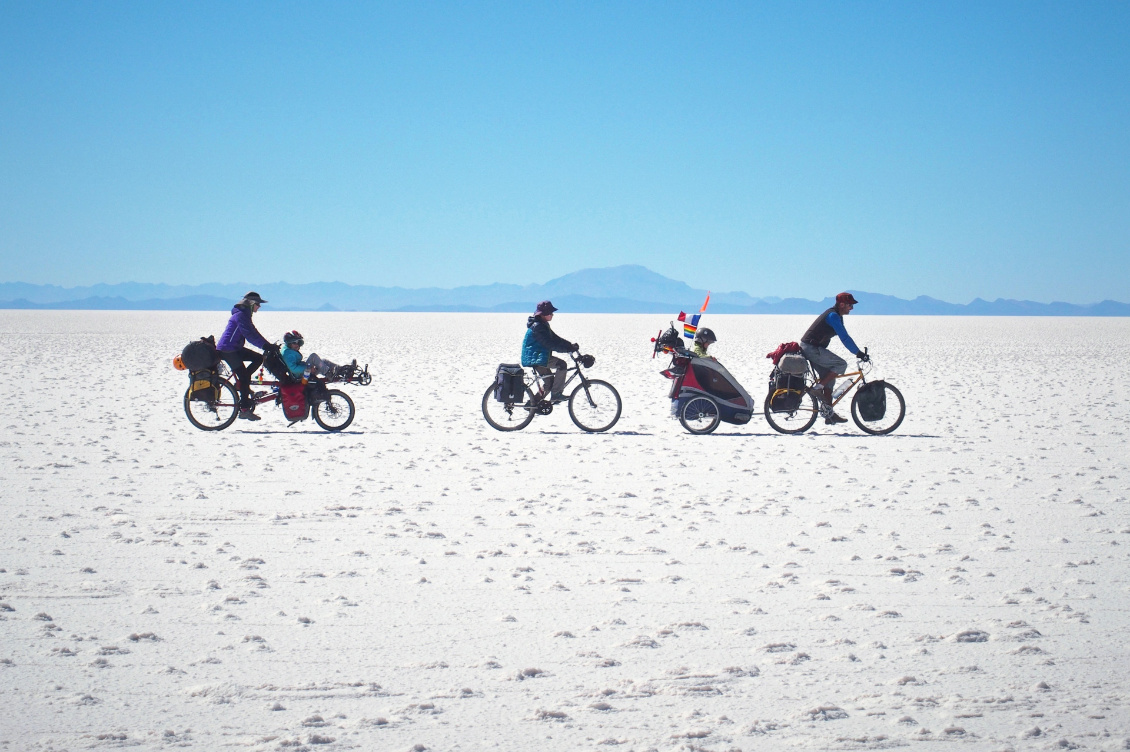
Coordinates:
[619,289]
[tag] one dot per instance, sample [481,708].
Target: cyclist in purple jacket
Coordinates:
[829,366]
[240,359]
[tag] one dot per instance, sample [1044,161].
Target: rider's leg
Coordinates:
[234,360]
[544,382]
[559,367]
[322,366]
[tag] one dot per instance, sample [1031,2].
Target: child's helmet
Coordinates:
[705,336]
[291,338]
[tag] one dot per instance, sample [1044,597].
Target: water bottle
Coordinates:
[306,375]
[840,390]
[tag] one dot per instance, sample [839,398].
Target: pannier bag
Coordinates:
[205,385]
[200,354]
[293,398]
[872,401]
[510,383]
[786,391]
[794,364]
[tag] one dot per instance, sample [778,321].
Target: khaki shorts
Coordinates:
[823,360]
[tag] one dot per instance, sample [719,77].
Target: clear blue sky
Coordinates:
[948,149]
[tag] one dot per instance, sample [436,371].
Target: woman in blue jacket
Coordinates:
[240,359]
[538,345]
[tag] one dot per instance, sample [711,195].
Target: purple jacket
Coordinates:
[239,330]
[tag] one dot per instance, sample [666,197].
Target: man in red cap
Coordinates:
[814,345]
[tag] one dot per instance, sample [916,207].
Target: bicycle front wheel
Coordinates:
[797,421]
[594,406]
[507,416]
[335,412]
[892,416]
[212,415]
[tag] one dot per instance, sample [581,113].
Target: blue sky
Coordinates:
[949,149]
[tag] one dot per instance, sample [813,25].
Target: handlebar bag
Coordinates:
[293,398]
[509,383]
[872,401]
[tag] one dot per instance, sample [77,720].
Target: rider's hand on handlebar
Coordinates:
[863,357]
[274,349]
[576,347]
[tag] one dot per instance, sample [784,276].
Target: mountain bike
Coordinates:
[594,405]
[804,415]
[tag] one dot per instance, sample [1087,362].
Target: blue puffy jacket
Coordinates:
[240,330]
[540,341]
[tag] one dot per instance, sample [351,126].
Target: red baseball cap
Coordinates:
[845,297]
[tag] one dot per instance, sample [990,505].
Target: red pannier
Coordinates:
[293,401]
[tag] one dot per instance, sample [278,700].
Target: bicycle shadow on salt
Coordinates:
[301,433]
[588,433]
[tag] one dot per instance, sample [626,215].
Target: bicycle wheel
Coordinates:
[507,416]
[798,421]
[891,419]
[594,406]
[212,415]
[700,415]
[335,412]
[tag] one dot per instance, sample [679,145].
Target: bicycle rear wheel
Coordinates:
[212,415]
[892,417]
[700,414]
[798,421]
[335,412]
[595,406]
[507,416]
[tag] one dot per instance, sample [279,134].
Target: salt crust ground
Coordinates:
[423,581]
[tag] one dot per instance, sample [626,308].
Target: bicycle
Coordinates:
[213,405]
[594,405]
[803,415]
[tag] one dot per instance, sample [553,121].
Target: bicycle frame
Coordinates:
[573,372]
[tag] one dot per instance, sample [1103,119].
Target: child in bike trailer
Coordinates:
[292,356]
[703,339]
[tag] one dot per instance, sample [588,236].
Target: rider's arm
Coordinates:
[837,323]
[250,333]
[293,362]
[549,340]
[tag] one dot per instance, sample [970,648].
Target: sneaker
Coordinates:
[832,419]
[558,398]
[248,415]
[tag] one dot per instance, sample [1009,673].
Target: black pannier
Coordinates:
[871,401]
[200,354]
[786,391]
[276,366]
[510,383]
[205,385]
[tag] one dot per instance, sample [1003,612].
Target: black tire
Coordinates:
[700,414]
[595,406]
[507,416]
[890,420]
[212,415]
[365,378]
[334,413]
[798,421]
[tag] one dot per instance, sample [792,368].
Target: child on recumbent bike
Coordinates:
[319,366]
